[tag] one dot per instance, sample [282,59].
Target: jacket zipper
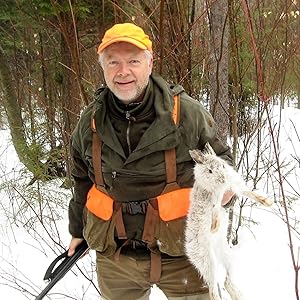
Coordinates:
[115,174]
[130,119]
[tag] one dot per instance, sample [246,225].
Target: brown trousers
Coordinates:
[128,278]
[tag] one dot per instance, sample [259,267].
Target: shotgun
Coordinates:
[53,276]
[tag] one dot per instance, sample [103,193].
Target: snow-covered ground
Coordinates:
[262,258]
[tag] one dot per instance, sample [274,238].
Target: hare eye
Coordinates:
[209,170]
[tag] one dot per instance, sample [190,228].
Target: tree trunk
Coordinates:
[233,66]
[218,65]
[73,94]
[298,102]
[27,155]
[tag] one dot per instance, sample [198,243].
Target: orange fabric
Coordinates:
[174,205]
[93,125]
[100,204]
[126,32]
[175,110]
[171,205]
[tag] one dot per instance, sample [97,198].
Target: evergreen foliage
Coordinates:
[50,68]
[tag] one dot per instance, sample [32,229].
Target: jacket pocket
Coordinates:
[99,203]
[174,204]
[99,233]
[170,236]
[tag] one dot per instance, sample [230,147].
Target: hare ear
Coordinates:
[197,156]
[208,148]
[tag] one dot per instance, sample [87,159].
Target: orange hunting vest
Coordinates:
[173,203]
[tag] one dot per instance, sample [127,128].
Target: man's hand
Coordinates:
[73,244]
[227,197]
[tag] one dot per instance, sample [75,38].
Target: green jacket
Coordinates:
[133,165]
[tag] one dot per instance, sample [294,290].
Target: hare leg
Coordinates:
[215,223]
[215,294]
[259,198]
[233,291]
[211,277]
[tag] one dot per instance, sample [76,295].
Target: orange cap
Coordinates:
[126,32]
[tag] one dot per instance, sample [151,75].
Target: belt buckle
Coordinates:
[136,208]
[138,245]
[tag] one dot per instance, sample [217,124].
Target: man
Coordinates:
[132,173]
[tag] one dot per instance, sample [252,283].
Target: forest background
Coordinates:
[238,58]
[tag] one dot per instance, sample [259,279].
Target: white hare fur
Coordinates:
[205,236]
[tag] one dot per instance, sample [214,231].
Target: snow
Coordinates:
[262,260]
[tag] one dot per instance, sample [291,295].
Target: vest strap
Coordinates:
[170,165]
[152,215]
[96,156]
[118,252]
[151,220]
[170,155]
[120,227]
[155,267]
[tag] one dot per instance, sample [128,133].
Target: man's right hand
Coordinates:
[73,244]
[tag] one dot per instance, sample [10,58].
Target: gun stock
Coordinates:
[68,261]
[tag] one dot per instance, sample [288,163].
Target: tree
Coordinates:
[218,65]
[42,81]
[50,53]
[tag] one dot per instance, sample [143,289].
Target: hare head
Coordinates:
[210,170]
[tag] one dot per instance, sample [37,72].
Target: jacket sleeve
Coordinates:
[80,145]
[82,184]
[209,134]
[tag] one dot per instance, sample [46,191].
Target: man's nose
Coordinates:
[123,69]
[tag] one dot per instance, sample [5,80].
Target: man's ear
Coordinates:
[151,65]
[100,59]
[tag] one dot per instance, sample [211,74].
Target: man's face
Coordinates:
[126,70]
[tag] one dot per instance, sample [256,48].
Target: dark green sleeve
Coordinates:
[209,134]
[82,184]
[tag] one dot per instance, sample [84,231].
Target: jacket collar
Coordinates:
[162,133]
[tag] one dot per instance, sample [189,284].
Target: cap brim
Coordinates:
[121,39]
